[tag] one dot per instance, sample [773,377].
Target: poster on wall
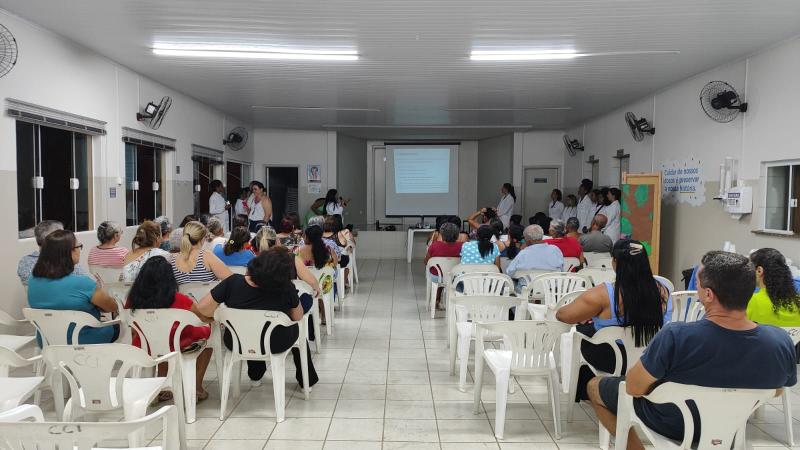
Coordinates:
[314,187]
[682,181]
[314,172]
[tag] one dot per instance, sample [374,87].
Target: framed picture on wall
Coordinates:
[314,172]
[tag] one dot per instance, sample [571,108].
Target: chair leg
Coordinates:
[316,321]
[555,397]
[236,380]
[432,298]
[355,266]
[304,363]
[501,398]
[57,386]
[478,386]
[452,335]
[463,360]
[427,293]
[225,385]
[279,385]
[133,411]
[329,313]
[219,361]
[189,371]
[787,416]
[605,439]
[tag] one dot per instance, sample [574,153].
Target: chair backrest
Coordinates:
[598,260]
[9,358]
[197,290]
[247,327]
[82,435]
[665,282]
[612,335]
[681,301]
[241,270]
[90,370]
[441,267]
[568,298]
[527,275]
[531,341]
[59,327]
[722,411]
[22,412]
[107,274]
[695,312]
[10,325]
[303,288]
[325,278]
[556,285]
[794,334]
[460,269]
[155,328]
[483,283]
[599,275]
[570,263]
[483,308]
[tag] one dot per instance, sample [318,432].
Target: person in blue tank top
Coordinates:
[635,300]
[234,253]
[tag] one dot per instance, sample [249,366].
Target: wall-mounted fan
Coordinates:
[639,126]
[154,114]
[721,102]
[236,139]
[573,146]
[8,51]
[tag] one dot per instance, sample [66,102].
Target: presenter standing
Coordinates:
[612,211]
[218,206]
[258,206]
[334,205]
[506,206]
[556,208]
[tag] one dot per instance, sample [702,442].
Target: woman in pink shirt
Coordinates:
[108,254]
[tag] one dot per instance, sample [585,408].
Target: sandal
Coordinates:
[202,395]
[164,396]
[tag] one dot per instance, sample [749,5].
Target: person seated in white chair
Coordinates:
[536,254]
[725,350]
[108,253]
[40,232]
[595,241]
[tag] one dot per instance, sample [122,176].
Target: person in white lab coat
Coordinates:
[506,206]
[555,208]
[570,208]
[240,208]
[218,206]
[612,211]
[586,207]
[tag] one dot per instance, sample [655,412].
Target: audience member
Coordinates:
[240,220]
[332,233]
[726,350]
[570,208]
[215,235]
[54,285]
[480,217]
[462,235]
[516,241]
[144,245]
[496,225]
[166,230]
[108,254]
[536,254]
[586,206]
[515,219]
[776,302]
[267,286]
[481,251]
[316,252]
[612,212]
[233,252]
[40,232]
[289,233]
[193,263]
[506,205]
[542,220]
[569,246]
[239,208]
[177,234]
[266,239]
[556,208]
[635,300]
[595,240]
[204,218]
[448,246]
[436,235]
[155,288]
[572,225]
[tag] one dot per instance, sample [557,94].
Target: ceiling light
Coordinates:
[315,108]
[541,108]
[252,52]
[553,55]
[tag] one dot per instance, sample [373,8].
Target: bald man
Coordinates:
[595,240]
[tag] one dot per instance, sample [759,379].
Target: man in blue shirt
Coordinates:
[536,254]
[725,350]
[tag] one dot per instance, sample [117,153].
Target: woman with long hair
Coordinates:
[53,285]
[506,206]
[234,251]
[776,302]
[515,240]
[556,208]
[635,300]
[334,204]
[481,251]
[570,208]
[317,252]
[155,288]
[613,211]
[145,244]
[258,206]
[193,263]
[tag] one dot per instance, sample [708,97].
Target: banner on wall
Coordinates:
[682,181]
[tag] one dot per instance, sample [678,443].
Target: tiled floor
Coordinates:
[384,384]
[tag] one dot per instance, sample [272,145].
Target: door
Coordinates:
[538,183]
[282,189]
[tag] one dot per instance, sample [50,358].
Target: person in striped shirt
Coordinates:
[108,253]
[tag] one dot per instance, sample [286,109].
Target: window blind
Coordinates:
[140,137]
[42,115]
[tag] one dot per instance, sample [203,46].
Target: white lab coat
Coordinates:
[569,212]
[239,207]
[555,209]
[586,209]
[612,212]
[216,207]
[505,209]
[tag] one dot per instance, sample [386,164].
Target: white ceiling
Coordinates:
[414,55]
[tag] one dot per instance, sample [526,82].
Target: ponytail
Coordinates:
[485,241]
[147,235]
[193,233]
[236,242]
[318,248]
[510,188]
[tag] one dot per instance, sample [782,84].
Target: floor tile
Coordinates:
[305,428]
[235,444]
[359,409]
[465,431]
[245,428]
[356,430]
[410,430]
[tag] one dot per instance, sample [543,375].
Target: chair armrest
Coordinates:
[166,358]
[107,323]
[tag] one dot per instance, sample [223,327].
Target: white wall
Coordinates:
[56,73]
[765,133]
[495,167]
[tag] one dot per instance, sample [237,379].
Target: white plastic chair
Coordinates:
[681,301]
[599,276]
[23,435]
[155,327]
[532,343]
[598,260]
[468,311]
[462,269]
[303,288]
[665,282]
[571,262]
[13,390]
[696,312]
[119,292]
[325,277]
[545,312]
[471,284]
[22,412]
[723,414]
[95,386]
[341,291]
[196,291]
[441,268]
[15,327]
[107,274]
[247,329]
[350,250]
[553,286]
[241,270]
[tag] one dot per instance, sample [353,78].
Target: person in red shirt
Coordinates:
[570,247]
[447,247]
[155,287]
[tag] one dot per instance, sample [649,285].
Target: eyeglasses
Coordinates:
[79,246]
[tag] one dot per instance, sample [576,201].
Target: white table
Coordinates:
[410,242]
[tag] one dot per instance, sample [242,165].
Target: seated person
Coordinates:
[436,235]
[515,219]
[54,285]
[108,253]
[726,350]
[40,232]
[333,232]
[572,224]
[193,264]
[542,220]
[776,302]
[289,233]
[267,286]
[569,246]
[155,288]
[536,254]
[317,252]
[462,235]
[482,251]
[216,233]
[515,242]
[233,252]
[639,301]
[595,241]
[145,244]
[166,230]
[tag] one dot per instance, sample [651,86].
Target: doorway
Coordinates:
[538,183]
[282,189]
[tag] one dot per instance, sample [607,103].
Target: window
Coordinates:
[53,181]
[237,176]
[780,202]
[143,186]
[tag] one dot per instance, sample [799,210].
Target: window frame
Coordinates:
[158,177]
[792,210]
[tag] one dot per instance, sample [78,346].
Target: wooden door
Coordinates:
[641,212]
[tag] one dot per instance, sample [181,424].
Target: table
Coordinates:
[410,242]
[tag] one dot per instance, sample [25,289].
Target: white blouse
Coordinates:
[612,212]
[505,208]
[216,207]
[555,209]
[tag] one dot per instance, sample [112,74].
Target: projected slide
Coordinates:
[422,170]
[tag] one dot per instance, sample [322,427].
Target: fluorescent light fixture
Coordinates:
[432,127]
[541,108]
[553,55]
[252,52]
[315,108]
